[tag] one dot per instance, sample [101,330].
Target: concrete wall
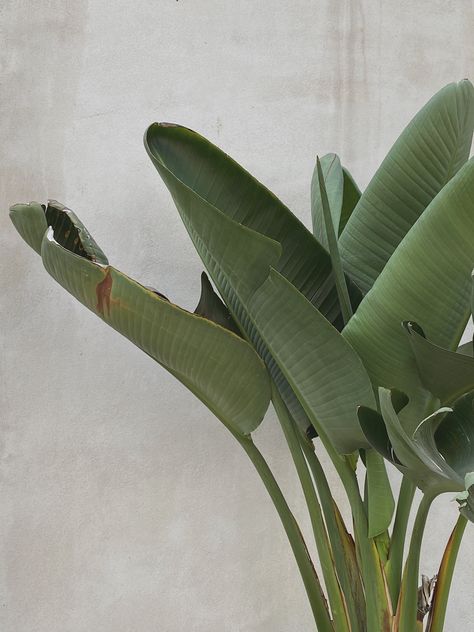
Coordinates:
[124,505]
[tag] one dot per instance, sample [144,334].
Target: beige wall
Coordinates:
[124,505]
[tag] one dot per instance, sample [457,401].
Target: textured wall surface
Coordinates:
[124,506]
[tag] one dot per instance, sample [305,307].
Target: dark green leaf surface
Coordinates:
[444,373]
[322,369]
[422,282]
[211,307]
[431,149]
[213,195]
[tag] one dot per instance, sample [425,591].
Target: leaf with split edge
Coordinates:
[220,368]
[343,194]
[446,374]
[428,153]
[214,194]
[31,221]
[412,288]
[321,367]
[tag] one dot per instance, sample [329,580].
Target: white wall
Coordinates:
[124,505]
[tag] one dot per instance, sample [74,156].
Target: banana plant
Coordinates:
[351,331]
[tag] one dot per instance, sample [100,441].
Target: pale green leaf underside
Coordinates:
[425,283]
[429,152]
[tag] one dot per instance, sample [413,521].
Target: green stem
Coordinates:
[378,608]
[445,576]
[350,583]
[408,602]
[300,551]
[397,546]
[336,600]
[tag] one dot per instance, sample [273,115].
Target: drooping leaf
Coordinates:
[220,368]
[444,373]
[213,193]
[422,282]
[32,220]
[431,149]
[343,194]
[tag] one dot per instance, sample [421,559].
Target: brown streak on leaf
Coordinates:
[103,290]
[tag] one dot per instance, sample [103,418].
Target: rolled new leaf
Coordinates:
[343,195]
[220,368]
[428,153]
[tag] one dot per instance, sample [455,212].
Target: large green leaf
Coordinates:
[205,182]
[431,149]
[321,367]
[220,368]
[446,374]
[422,282]
[343,195]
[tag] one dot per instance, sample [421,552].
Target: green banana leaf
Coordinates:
[444,373]
[220,368]
[412,288]
[343,195]
[431,149]
[208,187]
[321,367]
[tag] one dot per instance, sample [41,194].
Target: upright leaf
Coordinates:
[429,152]
[341,286]
[425,283]
[213,193]
[343,195]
